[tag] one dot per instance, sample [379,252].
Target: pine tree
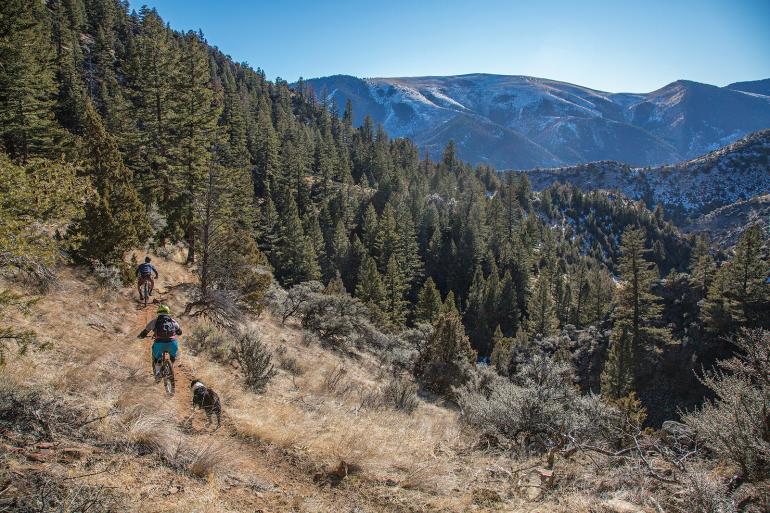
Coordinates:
[599,294]
[739,293]
[263,145]
[27,88]
[750,270]
[618,374]
[151,80]
[386,241]
[370,288]
[509,306]
[501,351]
[395,285]
[542,311]
[580,291]
[702,266]
[447,356]
[637,309]
[196,133]
[114,220]
[428,303]
[294,257]
[475,314]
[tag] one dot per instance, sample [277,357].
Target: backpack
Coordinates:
[145,269]
[165,327]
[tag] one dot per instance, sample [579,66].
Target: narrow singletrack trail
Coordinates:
[264,476]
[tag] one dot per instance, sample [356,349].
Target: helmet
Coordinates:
[147,259]
[163,309]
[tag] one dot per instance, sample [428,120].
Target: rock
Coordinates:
[677,430]
[620,506]
[534,483]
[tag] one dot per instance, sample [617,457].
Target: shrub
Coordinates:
[446,359]
[254,359]
[205,337]
[537,409]
[334,318]
[295,299]
[108,277]
[288,363]
[334,381]
[735,424]
[207,459]
[401,394]
[700,494]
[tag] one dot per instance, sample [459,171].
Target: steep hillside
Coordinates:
[686,190]
[90,427]
[725,225]
[84,427]
[565,123]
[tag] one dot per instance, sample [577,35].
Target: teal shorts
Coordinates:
[159,347]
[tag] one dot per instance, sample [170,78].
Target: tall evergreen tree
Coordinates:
[428,303]
[542,308]
[27,88]
[637,308]
[196,134]
[114,220]
[618,374]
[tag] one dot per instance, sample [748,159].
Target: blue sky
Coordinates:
[614,45]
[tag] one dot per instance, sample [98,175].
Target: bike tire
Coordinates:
[146,293]
[167,371]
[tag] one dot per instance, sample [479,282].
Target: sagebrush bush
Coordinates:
[254,359]
[401,394]
[109,277]
[205,337]
[335,319]
[735,425]
[701,493]
[536,408]
[293,301]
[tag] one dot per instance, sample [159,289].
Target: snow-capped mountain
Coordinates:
[522,122]
[735,173]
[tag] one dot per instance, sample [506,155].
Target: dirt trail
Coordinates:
[266,476]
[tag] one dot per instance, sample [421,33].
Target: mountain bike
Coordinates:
[145,291]
[167,373]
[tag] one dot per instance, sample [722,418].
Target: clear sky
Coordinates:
[613,45]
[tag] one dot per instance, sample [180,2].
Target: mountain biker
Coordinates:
[144,274]
[165,332]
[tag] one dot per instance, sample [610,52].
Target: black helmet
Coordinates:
[147,260]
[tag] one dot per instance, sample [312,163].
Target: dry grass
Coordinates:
[317,417]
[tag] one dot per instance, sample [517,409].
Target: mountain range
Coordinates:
[705,186]
[525,122]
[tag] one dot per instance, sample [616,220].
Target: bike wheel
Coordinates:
[146,293]
[168,377]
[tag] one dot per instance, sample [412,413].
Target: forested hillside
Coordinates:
[120,133]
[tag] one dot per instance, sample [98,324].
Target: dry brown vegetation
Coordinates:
[89,426]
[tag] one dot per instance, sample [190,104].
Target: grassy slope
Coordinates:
[281,451]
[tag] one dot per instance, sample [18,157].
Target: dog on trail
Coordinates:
[207,400]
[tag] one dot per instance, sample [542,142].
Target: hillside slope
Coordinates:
[83,422]
[689,189]
[561,123]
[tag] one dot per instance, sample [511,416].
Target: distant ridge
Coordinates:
[524,122]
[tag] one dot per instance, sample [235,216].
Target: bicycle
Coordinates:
[167,373]
[146,291]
